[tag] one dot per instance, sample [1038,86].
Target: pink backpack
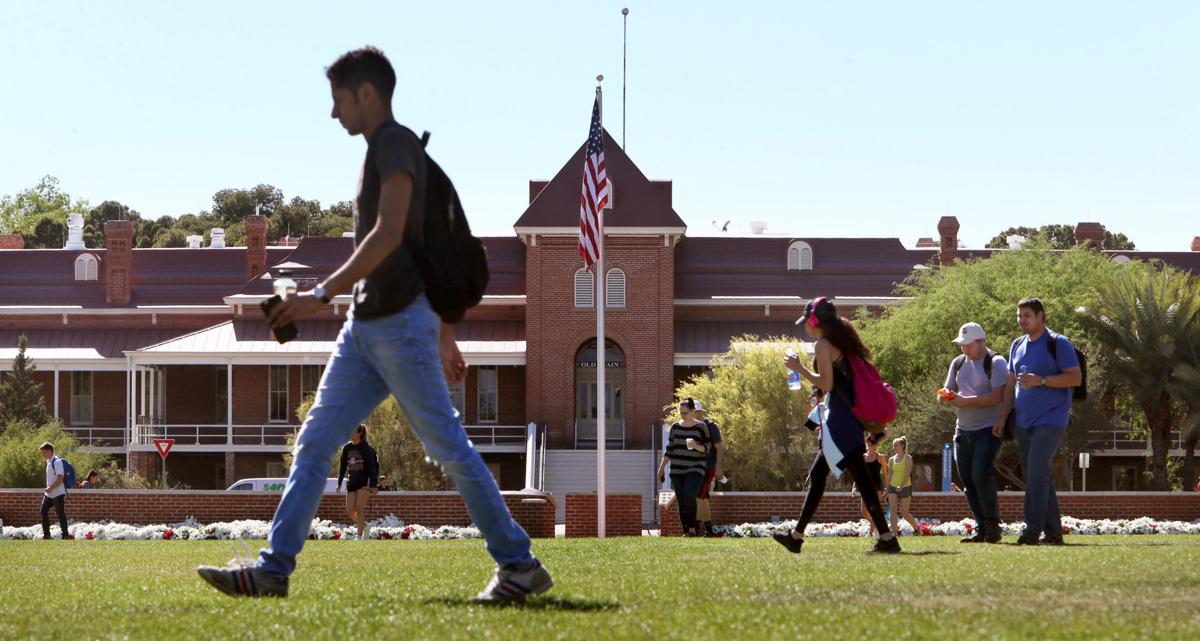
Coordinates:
[875,401]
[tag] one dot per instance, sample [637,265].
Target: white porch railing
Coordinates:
[93,436]
[207,434]
[497,435]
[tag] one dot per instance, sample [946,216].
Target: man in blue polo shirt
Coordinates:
[1040,382]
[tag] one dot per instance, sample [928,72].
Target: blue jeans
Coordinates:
[974,455]
[397,354]
[1037,445]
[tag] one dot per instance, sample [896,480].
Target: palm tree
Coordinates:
[1185,385]
[1145,319]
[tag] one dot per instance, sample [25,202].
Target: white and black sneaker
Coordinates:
[238,579]
[511,584]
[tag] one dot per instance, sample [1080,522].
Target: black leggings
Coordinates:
[816,489]
[687,487]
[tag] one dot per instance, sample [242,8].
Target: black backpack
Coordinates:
[453,263]
[1081,389]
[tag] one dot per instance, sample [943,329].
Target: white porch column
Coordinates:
[130,406]
[140,374]
[56,392]
[229,402]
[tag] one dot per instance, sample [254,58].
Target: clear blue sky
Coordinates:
[821,118]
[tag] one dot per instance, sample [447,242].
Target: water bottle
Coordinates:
[793,377]
[284,285]
[1020,380]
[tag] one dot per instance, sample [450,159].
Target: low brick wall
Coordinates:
[622,515]
[732,508]
[535,512]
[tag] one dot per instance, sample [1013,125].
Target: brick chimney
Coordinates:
[118,262]
[1089,235]
[948,248]
[1196,244]
[256,246]
[16,241]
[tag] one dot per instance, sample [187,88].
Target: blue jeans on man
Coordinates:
[1037,445]
[397,355]
[975,455]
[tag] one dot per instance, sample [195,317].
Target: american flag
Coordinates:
[594,195]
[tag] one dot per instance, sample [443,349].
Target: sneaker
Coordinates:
[1027,539]
[890,546]
[788,541]
[244,580]
[977,538]
[992,532]
[1052,540]
[512,584]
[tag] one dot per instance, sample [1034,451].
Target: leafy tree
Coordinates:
[766,447]
[21,213]
[21,463]
[49,233]
[1185,385]
[93,222]
[170,238]
[1145,319]
[20,395]
[1058,237]
[233,205]
[295,219]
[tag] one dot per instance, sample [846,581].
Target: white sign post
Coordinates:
[1085,461]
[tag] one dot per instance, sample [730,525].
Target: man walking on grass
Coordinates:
[391,343]
[56,491]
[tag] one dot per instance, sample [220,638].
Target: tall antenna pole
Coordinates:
[624,67]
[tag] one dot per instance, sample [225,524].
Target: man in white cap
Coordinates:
[975,387]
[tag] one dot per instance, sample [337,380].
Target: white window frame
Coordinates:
[614,289]
[481,393]
[306,391]
[799,256]
[86,267]
[80,401]
[585,289]
[458,398]
[272,394]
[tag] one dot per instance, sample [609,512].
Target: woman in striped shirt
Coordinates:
[687,446]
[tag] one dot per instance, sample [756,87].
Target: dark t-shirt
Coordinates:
[396,282]
[714,433]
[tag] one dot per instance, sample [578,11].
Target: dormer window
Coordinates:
[799,256]
[86,267]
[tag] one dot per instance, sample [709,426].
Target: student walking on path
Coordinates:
[841,432]
[391,343]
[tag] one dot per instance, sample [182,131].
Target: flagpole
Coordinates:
[601,361]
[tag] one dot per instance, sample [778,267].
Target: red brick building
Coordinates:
[135,344]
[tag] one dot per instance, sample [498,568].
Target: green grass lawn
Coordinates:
[1144,587]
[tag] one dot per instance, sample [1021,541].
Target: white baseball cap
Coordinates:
[969,333]
[699,406]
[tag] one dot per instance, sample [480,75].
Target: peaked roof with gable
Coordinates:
[637,201]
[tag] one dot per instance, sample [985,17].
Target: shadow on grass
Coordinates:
[929,553]
[536,603]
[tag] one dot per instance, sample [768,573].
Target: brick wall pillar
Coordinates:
[256,245]
[622,515]
[948,246]
[230,468]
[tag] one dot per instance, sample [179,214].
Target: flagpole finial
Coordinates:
[600,78]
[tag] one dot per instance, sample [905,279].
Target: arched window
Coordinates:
[86,267]
[614,289]
[585,289]
[800,256]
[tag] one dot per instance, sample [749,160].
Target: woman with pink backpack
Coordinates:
[858,401]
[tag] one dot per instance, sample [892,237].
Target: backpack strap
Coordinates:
[987,364]
[1052,345]
[954,367]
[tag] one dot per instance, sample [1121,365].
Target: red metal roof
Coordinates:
[714,337]
[81,343]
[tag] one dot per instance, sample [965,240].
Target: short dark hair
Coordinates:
[356,67]
[1032,303]
[689,403]
[47,446]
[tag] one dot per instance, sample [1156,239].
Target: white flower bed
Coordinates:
[965,527]
[389,527]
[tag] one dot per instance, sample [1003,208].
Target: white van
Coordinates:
[273,485]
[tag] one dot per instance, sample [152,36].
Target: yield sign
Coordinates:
[163,445]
